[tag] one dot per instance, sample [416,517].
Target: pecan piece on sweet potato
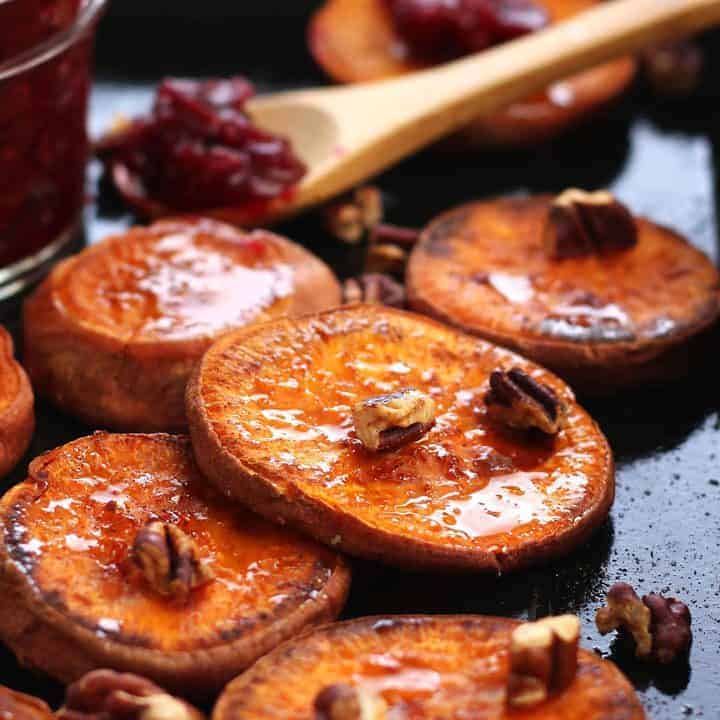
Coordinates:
[346,702]
[543,659]
[517,400]
[659,626]
[388,422]
[109,695]
[581,223]
[169,560]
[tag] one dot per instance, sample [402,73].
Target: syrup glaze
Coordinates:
[69,527]
[484,266]
[177,280]
[466,483]
[423,667]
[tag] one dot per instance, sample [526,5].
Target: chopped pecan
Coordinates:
[389,421]
[543,659]
[395,235]
[386,258]
[517,400]
[659,626]
[673,70]
[582,223]
[169,560]
[352,217]
[18,706]
[346,702]
[374,288]
[109,695]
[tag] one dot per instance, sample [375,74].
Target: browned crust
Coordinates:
[17,418]
[523,123]
[48,640]
[621,702]
[343,530]
[137,385]
[595,368]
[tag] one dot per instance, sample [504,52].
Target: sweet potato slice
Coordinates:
[113,333]
[600,321]
[270,412]
[17,418]
[355,41]
[72,600]
[422,667]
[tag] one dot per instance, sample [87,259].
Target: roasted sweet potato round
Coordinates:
[422,667]
[113,333]
[73,596]
[600,321]
[17,418]
[355,41]
[270,413]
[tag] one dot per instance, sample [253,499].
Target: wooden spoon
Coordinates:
[349,134]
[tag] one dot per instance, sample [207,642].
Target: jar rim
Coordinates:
[56,44]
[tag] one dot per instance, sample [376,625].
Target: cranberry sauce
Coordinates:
[438,30]
[198,149]
[43,144]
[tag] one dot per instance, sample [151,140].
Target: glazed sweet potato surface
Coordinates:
[17,418]
[69,528]
[270,417]
[423,667]
[112,333]
[483,268]
[355,41]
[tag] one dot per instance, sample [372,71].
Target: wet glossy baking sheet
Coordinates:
[664,532]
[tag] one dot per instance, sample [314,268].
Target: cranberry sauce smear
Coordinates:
[198,150]
[438,30]
[43,143]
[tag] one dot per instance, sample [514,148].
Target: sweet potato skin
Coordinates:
[404,659]
[452,273]
[355,41]
[44,629]
[17,416]
[113,376]
[223,461]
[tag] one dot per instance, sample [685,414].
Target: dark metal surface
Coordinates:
[664,531]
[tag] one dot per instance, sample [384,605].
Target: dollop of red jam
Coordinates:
[198,149]
[439,30]
[43,143]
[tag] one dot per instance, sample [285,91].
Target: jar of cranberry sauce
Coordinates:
[45,59]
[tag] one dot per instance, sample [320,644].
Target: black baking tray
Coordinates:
[661,157]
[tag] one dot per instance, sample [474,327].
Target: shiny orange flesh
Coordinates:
[423,667]
[355,41]
[69,528]
[483,267]
[11,375]
[278,399]
[177,280]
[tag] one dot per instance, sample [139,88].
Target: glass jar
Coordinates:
[45,73]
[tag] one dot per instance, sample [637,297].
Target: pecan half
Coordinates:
[581,223]
[543,659]
[169,560]
[517,400]
[346,702]
[374,288]
[18,706]
[389,421]
[109,695]
[673,70]
[386,258]
[353,216]
[395,235]
[659,626]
